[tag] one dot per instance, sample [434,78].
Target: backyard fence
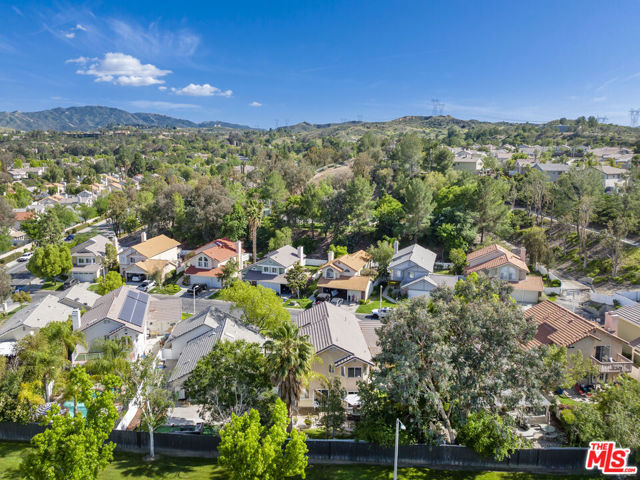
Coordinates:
[622,298]
[541,460]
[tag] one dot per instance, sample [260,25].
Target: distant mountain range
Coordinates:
[96,117]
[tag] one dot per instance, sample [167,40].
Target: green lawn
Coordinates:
[52,286]
[319,434]
[303,303]
[170,289]
[215,295]
[374,302]
[129,466]
[93,287]
[567,401]
[186,315]
[78,238]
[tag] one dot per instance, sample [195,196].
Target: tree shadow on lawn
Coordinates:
[134,466]
[11,454]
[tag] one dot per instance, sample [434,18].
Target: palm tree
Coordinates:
[289,356]
[114,358]
[42,361]
[253,212]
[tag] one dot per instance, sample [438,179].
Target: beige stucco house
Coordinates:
[158,254]
[342,277]
[625,323]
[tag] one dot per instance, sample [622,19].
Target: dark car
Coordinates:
[70,283]
[69,238]
[197,288]
[322,297]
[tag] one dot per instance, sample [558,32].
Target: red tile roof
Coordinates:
[505,257]
[22,216]
[203,272]
[221,249]
[531,282]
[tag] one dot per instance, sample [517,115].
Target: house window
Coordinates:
[203,262]
[603,353]
[265,269]
[397,273]
[281,270]
[274,269]
[332,369]
[320,393]
[352,392]
[329,273]
[342,371]
[411,274]
[354,372]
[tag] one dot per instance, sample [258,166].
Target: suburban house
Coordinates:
[205,264]
[625,323]
[468,162]
[194,337]
[33,317]
[612,177]
[563,328]
[270,271]
[339,341]
[498,262]
[87,258]
[158,254]
[411,268]
[552,170]
[342,277]
[126,312]
[80,297]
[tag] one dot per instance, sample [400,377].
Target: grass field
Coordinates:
[302,303]
[129,466]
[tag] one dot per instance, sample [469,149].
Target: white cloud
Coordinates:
[162,88]
[163,105]
[81,60]
[81,27]
[121,69]
[255,104]
[599,99]
[205,90]
[70,35]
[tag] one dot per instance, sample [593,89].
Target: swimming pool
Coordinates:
[81,408]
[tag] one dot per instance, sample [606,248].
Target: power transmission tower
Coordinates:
[438,107]
[634,114]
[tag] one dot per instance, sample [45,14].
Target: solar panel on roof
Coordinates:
[127,309]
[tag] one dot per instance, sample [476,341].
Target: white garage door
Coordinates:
[417,293]
[83,276]
[211,282]
[272,286]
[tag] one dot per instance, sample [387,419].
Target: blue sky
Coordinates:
[268,63]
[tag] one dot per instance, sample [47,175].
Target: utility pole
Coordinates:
[194,299]
[399,425]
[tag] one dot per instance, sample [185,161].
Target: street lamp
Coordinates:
[399,425]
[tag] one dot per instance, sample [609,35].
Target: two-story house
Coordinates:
[552,170]
[342,277]
[158,254]
[411,269]
[125,312]
[87,258]
[271,270]
[205,264]
[194,337]
[563,328]
[612,177]
[625,323]
[339,341]
[498,262]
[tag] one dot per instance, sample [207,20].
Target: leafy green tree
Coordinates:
[113,359]
[75,447]
[338,250]
[408,154]
[62,333]
[612,240]
[109,282]
[260,306]
[118,211]
[250,450]
[297,278]
[442,160]
[459,260]
[491,211]
[110,259]
[78,382]
[154,399]
[229,272]
[489,434]
[331,408]
[274,189]
[459,352]
[311,205]
[232,379]
[418,207]
[280,238]
[390,216]
[44,229]
[87,212]
[50,261]
[358,203]
[536,243]
[235,223]
[66,216]
[5,285]
[536,191]
[382,254]
[289,356]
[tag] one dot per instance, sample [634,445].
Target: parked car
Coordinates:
[382,312]
[147,285]
[70,283]
[69,237]
[337,301]
[322,297]
[136,279]
[25,257]
[196,288]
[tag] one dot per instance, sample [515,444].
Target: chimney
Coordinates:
[395,246]
[75,318]
[143,236]
[611,322]
[523,254]
[301,255]
[330,256]
[239,254]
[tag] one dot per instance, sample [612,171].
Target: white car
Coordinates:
[382,312]
[337,301]
[25,257]
[147,285]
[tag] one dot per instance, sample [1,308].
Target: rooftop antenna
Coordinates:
[634,114]
[438,107]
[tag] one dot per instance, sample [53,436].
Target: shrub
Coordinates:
[556,283]
[568,417]
[308,422]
